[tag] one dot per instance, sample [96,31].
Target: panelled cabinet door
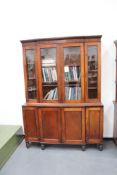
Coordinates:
[31,124]
[73,124]
[49,73]
[94,125]
[30,73]
[92,72]
[72,72]
[50,125]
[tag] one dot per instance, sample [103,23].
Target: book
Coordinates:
[72,73]
[52,94]
[72,93]
[49,74]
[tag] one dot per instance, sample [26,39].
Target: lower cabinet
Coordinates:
[64,125]
[50,129]
[94,125]
[73,125]
[31,127]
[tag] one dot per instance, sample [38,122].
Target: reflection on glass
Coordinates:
[31,78]
[72,73]
[49,74]
[92,72]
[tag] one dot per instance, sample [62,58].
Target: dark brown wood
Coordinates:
[50,128]
[94,125]
[31,124]
[25,72]
[99,72]
[82,71]
[63,105]
[63,121]
[62,38]
[73,125]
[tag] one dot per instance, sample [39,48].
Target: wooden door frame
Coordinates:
[99,71]
[82,71]
[28,47]
[44,46]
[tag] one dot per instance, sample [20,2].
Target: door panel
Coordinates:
[72,72]
[50,125]
[31,126]
[94,125]
[92,71]
[73,124]
[49,73]
[30,73]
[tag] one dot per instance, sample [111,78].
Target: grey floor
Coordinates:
[62,160]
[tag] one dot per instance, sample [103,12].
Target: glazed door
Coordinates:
[92,72]
[50,125]
[73,126]
[49,73]
[94,125]
[30,73]
[31,124]
[72,55]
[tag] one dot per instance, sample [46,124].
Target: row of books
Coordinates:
[72,73]
[49,74]
[52,95]
[72,93]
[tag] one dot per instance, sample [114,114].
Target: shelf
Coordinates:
[32,78]
[30,63]
[92,76]
[32,89]
[47,66]
[92,82]
[73,81]
[90,71]
[49,85]
[90,88]
[48,82]
[91,61]
[72,65]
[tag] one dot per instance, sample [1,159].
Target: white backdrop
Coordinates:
[26,19]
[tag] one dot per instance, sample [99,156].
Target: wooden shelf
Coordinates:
[90,88]
[48,66]
[73,81]
[72,65]
[92,82]
[90,71]
[49,83]
[33,89]
[91,60]
[32,78]
[30,63]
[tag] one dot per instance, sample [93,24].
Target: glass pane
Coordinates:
[72,73]
[31,77]
[92,71]
[49,74]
